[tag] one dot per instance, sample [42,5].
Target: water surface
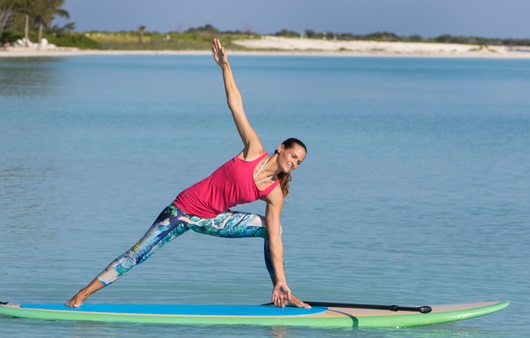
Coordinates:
[414,190]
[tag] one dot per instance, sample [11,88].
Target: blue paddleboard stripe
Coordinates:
[185,310]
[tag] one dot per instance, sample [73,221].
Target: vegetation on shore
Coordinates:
[19,17]
[200,39]
[391,37]
[193,39]
[32,20]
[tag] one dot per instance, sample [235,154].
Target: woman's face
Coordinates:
[290,158]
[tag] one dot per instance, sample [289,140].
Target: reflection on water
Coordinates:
[29,77]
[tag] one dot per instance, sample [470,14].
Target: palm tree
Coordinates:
[26,8]
[39,13]
[6,8]
[46,12]
[141,31]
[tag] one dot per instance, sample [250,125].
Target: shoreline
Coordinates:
[272,45]
[386,49]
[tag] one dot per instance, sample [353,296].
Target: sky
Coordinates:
[429,18]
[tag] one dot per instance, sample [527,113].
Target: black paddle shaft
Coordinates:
[422,309]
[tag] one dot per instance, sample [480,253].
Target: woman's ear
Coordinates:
[281,147]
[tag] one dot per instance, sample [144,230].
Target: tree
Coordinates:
[6,8]
[309,33]
[141,31]
[206,29]
[45,13]
[26,8]
[288,33]
[37,14]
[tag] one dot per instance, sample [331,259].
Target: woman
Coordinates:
[204,207]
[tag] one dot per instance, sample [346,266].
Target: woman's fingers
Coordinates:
[218,52]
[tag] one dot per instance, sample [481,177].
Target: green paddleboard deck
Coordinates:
[317,316]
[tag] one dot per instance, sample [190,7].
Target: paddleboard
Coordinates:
[317,316]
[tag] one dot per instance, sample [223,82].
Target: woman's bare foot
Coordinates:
[83,294]
[78,299]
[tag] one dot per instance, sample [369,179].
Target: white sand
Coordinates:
[274,45]
[337,47]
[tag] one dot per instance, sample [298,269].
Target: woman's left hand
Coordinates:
[218,52]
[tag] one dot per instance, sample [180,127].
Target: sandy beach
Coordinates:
[375,48]
[299,46]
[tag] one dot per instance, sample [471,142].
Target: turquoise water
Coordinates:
[415,189]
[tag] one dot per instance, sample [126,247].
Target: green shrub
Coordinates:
[62,39]
[68,39]
[10,36]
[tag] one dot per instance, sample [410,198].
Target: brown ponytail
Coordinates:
[285,178]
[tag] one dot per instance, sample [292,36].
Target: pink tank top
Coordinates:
[230,185]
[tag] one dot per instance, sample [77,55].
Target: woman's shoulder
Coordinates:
[275,195]
[250,156]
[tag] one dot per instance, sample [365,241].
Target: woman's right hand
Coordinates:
[218,52]
[281,295]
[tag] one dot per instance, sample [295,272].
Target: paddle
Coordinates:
[422,309]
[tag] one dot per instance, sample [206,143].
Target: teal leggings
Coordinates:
[173,222]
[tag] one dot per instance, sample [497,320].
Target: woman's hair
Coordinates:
[285,178]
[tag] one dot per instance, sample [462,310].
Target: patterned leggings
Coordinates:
[172,223]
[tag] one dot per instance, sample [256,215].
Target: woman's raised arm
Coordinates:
[253,147]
